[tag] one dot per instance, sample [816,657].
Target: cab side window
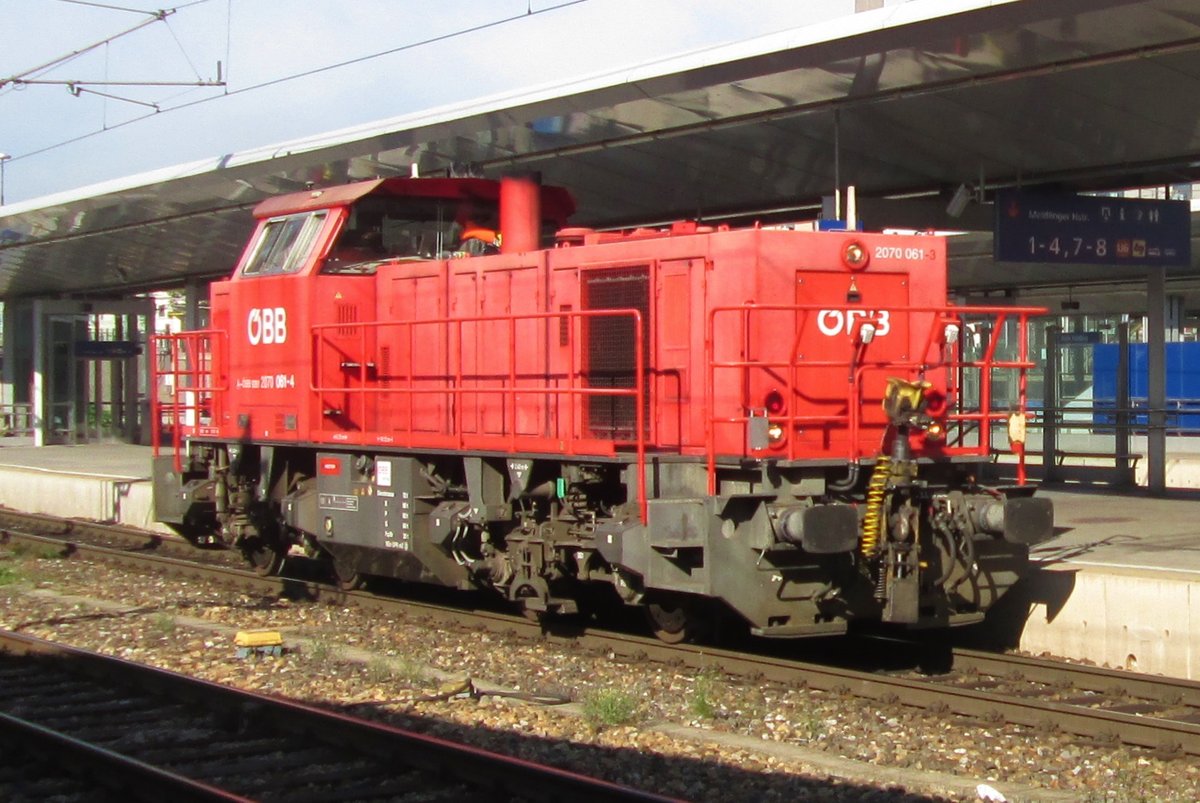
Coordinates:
[284,244]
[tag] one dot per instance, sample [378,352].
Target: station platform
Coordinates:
[1118,585]
[107,482]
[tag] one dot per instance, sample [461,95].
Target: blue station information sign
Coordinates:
[1090,229]
[106,349]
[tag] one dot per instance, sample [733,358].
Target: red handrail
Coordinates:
[569,441]
[191,359]
[856,366]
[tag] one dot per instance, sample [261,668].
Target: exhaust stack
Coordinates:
[520,213]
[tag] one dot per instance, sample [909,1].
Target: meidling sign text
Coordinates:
[1087,229]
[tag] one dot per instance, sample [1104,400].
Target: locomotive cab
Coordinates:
[381,229]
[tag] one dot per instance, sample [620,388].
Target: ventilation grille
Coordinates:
[347,314]
[384,369]
[610,343]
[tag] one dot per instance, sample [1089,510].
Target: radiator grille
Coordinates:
[347,314]
[384,369]
[610,342]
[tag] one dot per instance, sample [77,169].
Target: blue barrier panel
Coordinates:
[1183,385]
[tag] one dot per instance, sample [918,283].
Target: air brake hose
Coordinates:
[847,484]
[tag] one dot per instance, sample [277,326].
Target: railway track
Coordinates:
[145,733]
[1097,705]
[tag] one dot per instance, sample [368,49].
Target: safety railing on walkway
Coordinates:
[186,393]
[838,420]
[511,383]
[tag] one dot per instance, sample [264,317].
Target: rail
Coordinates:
[932,355]
[459,381]
[1084,700]
[341,755]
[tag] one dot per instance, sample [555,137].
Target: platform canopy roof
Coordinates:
[908,100]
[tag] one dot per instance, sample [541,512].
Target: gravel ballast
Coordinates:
[694,735]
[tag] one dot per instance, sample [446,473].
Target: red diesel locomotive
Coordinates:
[434,380]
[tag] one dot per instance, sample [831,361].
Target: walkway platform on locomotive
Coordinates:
[1119,584]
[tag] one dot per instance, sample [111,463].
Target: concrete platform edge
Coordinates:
[107,499]
[1139,621]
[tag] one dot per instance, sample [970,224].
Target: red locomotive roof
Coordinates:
[557,203]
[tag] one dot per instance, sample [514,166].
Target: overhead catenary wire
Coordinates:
[400,49]
[109,7]
[228,38]
[183,51]
[77,87]
[78,90]
[303,73]
[158,15]
[21,77]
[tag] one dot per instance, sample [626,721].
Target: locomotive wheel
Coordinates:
[673,620]
[265,559]
[530,591]
[346,577]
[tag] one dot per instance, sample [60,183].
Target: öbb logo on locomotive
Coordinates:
[774,429]
[266,325]
[839,322]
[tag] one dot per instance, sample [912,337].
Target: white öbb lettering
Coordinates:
[267,325]
[833,322]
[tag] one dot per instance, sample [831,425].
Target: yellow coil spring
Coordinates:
[873,519]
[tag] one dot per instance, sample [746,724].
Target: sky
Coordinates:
[279,59]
